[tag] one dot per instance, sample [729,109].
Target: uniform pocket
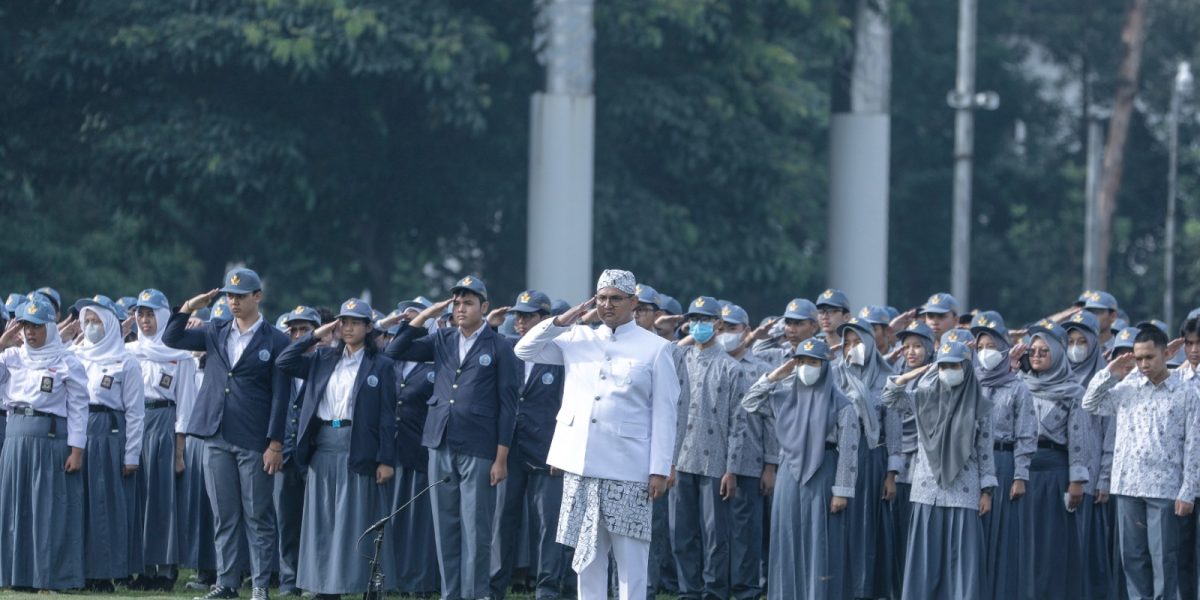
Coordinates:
[635,431]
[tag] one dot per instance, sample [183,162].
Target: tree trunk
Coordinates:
[1132,36]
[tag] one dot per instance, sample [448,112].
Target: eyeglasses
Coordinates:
[612,300]
[1039,352]
[644,308]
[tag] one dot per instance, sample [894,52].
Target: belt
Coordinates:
[831,446]
[337,423]
[1006,446]
[160,404]
[100,408]
[112,413]
[27,411]
[1048,445]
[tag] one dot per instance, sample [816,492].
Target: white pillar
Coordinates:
[561,148]
[859,154]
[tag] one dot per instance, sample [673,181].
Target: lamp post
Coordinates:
[1183,86]
[964,100]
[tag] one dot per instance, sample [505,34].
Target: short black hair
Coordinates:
[326,315]
[1189,326]
[459,293]
[965,319]
[1150,333]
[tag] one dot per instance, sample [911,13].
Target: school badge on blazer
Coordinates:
[430,377]
[485,360]
[548,379]
[264,355]
[372,381]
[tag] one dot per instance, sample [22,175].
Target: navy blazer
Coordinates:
[412,395]
[537,408]
[372,434]
[246,402]
[292,427]
[473,407]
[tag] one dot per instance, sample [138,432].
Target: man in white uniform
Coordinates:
[615,433]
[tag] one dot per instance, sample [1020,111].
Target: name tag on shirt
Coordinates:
[165,381]
[47,384]
[106,382]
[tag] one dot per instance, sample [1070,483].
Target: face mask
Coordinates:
[93,332]
[701,331]
[951,377]
[809,374]
[1076,354]
[729,341]
[989,358]
[858,354]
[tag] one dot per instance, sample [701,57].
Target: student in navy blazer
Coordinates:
[468,430]
[240,411]
[531,482]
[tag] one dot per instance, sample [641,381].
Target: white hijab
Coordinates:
[151,347]
[49,354]
[111,347]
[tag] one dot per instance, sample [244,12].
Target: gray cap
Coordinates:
[241,281]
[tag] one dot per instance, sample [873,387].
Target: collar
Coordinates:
[1170,383]
[473,335]
[605,332]
[1187,370]
[233,327]
[353,357]
[706,352]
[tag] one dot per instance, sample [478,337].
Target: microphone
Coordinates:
[380,524]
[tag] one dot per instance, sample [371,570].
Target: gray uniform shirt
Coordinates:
[712,439]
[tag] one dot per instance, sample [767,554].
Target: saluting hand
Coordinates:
[12,335]
[1174,347]
[496,318]
[763,332]
[127,326]
[573,315]
[325,331]
[433,312]
[782,371]
[199,301]
[69,329]
[1121,366]
[900,323]
[913,374]
[1015,356]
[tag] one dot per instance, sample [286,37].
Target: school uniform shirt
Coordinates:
[618,415]
[59,389]
[1067,426]
[1189,373]
[1158,434]
[338,402]
[118,385]
[1014,421]
[767,398]
[712,442]
[773,353]
[977,474]
[1106,459]
[760,447]
[169,380]
[239,340]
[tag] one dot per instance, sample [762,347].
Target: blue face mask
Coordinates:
[701,331]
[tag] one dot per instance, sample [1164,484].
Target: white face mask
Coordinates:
[858,354]
[951,377]
[1077,353]
[809,374]
[990,358]
[729,341]
[94,332]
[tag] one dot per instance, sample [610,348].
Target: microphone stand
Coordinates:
[375,578]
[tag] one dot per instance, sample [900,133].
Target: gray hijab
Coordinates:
[863,385]
[1058,383]
[1001,375]
[802,421]
[1093,362]
[946,424]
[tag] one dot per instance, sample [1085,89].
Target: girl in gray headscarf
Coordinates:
[1059,469]
[953,477]
[861,375]
[1007,529]
[818,438]
[916,351]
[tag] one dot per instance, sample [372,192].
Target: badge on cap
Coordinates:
[912,325]
[465,281]
[299,309]
[264,355]
[524,297]
[145,295]
[808,346]
[1078,318]
[430,376]
[934,299]
[698,302]
[794,306]
[1124,335]
[827,294]
[485,360]
[726,311]
[548,379]
[945,348]
[865,312]
[372,381]
[32,308]
[235,279]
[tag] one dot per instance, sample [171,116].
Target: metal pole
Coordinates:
[1095,161]
[1169,260]
[964,140]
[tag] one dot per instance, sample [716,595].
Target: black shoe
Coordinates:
[103,586]
[218,592]
[260,594]
[162,583]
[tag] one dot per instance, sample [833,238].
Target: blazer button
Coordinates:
[455,386]
[597,398]
[451,402]
[404,385]
[521,399]
[231,373]
[295,420]
[458,371]
[401,403]
[602,376]
[226,390]
[593,420]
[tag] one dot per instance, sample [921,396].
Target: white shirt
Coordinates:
[118,385]
[238,340]
[60,389]
[465,343]
[1158,434]
[528,370]
[338,401]
[620,397]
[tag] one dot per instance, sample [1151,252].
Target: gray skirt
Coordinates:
[158,492]
[945,554]
[107,497]
[1007,533]
[1057,571]
[809,552]
[339,505]
[413,568]
[41,507]
[196,530]
[1092,525]
[871,526]
[901,511]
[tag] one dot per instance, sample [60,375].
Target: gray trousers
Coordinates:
[240,492]
[462,525]
[661,576]
[1149,532]
[534,486]
[700,536]
[288,497]
[745,539]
